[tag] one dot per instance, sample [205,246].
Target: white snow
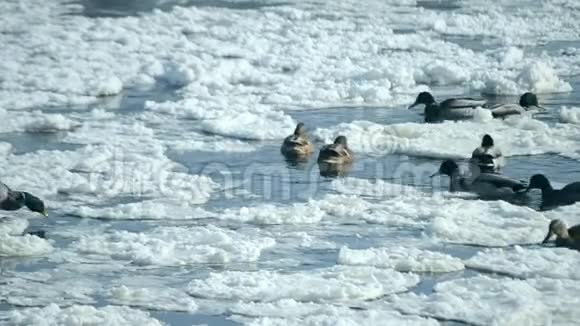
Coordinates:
[338,284]
[167,246]
[76,315]
[402,259]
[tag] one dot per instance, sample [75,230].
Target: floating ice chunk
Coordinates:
[496,223]
[48,123]
[270,214]
[332,315]
[169,246]
[23,245]
[402,259]
[511,57]
[539,77]
[439,73]
[570,115]
[249,125]
[5,148]
[109,86]
[14,244]
[13,226]
[561,297]
[145,210]
[178,75]
[528,262]
[38,289]
[76,315]
[378,188]
[479,300]
[167,299]
[337,284]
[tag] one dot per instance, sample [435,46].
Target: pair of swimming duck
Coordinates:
[298,146]
[491,184]
[463,108]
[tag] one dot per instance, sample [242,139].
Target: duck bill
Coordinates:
[438,173]
[413,105]
[547,238]
[45,214]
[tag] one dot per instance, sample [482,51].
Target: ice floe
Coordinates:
[332,315]
[338,284]
[167,246]
[402,259]
[515,136]
[479,300]
[14,243]
[76,315]
[529,262]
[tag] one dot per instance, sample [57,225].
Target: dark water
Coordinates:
[278,181]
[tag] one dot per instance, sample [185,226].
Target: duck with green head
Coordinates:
[551,197]
[11,200]
[449,109]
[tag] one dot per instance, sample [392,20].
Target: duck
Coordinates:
[449,109]
[554,197]
[297,145]
[528,102]
[487,185]
[336,153]
[11,200]
[486,158]
[565,237]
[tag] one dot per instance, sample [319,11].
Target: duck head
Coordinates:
[487,141]
[300,129]
[34,204]
[423,98]
[558,228]
[529,99]
[340,140]
[448,168]
[539,181]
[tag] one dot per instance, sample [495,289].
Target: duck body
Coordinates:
[11,200]
[528,103]
[551,197]
[486,185]
[449,109]
[297,145]
[565,237]
[486,158]
[336,153]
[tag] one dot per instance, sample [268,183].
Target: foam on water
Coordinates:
[53,315]
[515,136]
[145,210]
[337,284]
[528,263]
[479,300]
[14,243]
[153,298]
[167,246]
[570,115]
[332,315]
[402,259]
